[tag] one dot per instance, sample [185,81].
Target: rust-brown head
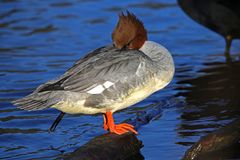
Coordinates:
[129,32]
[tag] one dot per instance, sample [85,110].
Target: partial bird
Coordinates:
[108,79]
[220,16]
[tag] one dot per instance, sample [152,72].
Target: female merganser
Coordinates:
[220,16]
[108,79]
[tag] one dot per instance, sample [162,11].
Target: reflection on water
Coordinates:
[40,40]
[215,95]
[212,99]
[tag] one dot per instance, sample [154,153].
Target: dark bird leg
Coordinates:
[55,123]
[228,40]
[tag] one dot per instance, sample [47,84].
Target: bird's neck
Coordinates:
[161,58]
[154,50]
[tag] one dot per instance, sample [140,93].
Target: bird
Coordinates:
[220,16]
[108,79]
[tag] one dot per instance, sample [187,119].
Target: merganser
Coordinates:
[220,16]
[108,79]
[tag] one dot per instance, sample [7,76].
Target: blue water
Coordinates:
[39,40]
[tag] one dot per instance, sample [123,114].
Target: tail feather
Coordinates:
[33,106]
[33,102]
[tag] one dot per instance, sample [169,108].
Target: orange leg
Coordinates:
[119,128]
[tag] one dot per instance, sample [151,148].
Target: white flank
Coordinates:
[100,88]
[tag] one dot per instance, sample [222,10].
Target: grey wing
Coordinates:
[120,66]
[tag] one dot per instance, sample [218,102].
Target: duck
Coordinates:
[108,79]
[220,16]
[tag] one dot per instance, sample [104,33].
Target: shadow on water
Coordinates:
[213,101]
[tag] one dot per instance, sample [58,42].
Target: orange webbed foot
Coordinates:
[117,129]
[123,128]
